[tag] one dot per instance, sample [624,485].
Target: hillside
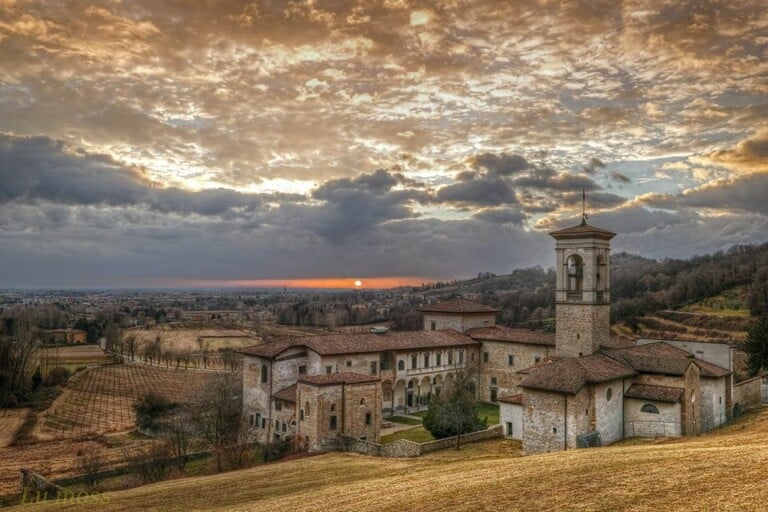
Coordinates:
[723,470]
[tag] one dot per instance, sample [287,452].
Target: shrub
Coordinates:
[275,450]
[57,376]
[149,408]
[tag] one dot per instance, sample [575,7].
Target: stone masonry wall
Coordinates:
[544,422]
[405,448]
[747,394]
[457,321]
[498,367]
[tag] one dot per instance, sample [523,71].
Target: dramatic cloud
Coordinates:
[238,140]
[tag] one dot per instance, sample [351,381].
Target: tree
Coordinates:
[219,415]
[455,411]
[90,463]
[149,408]
[757,344]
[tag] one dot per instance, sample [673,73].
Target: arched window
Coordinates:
[401,365]
[650,408]
[574,272]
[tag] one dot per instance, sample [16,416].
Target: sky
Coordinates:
[227,143]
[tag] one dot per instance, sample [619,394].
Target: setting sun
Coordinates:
[358,283]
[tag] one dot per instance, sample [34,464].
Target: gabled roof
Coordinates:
[499,333]
[654,393]
[664,359]
[288,394]
[360,343]
[330,379]
[569,375]
[458,305]
[583,230]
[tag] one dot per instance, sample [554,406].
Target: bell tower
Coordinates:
[582,290]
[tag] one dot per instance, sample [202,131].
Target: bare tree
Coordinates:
[218,414]
[178,435]
[90,462]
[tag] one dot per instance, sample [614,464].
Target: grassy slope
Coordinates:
[719,471]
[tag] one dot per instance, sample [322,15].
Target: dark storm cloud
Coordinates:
[500,165]
[41,169]
[600,200]
[617,176]
[485,190]
[546,178]
[593,166]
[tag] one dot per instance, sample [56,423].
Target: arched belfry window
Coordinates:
[574,273]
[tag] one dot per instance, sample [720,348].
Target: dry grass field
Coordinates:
[101,399]
[72,356]
[11,421]
[724,470]
[54,459]
[194,340]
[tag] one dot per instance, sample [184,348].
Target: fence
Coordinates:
[405,448]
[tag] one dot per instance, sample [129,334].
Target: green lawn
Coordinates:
[403,420]
[417,435]
[491,411]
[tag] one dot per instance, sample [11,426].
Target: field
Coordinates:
[194,340]
[101,399]
[11,421]
[54,459]
[723,470]
[72,356]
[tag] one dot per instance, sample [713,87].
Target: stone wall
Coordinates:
[511,413]
[747,394]
[714,411]
[457,321]
[609,413]
[498,367]
[405,448]
[544,421]
[645,424]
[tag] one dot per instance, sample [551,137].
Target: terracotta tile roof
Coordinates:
[583,230]
[569,375]
[511,399]
[662,358]
[338,378]
[499,333]
[288,394]
[654,393]
[545,361]
[458,305]
[360,343]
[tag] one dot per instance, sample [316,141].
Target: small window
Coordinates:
[302,369]
[333,407]
[450,357]
[257,422]
[720,400]
[554,430]
[306,408]
[329,369]
[485,357]
[437,359]
[263,422]
[461,357]
[368,418]
[511,360]
[414,364]
[362,401]
[510,430]
[333,423]
[650,408]
[301,415]
[608,394]
[349,364]
[433,326]
[264,374]
[277,425]
[401,365]
[536,359]
[285,427]
[374,368]
[493,381]
[426,360]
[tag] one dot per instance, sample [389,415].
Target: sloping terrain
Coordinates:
[723,470]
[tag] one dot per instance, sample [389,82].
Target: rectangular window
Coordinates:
[437,359]
[252,420]
[264,374]
[301,415]
[349,364]
[511,360]
[329,369]
[433,326]
[263,422]
[368,418]
[374,368]
[485,357]
[333,423]
[413,362]
[450,357]
[509,428]
[461,357]
[285,427]
[278,405]
[426,360]
[493,381]
[277,425]
[257,422]
[536,359]
[302,369]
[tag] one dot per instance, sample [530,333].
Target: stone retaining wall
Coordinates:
[405,448]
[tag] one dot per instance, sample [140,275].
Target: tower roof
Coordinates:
[583,230]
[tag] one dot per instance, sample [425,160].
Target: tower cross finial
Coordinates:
[584,215]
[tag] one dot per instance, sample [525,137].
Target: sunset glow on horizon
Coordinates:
[309,283]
